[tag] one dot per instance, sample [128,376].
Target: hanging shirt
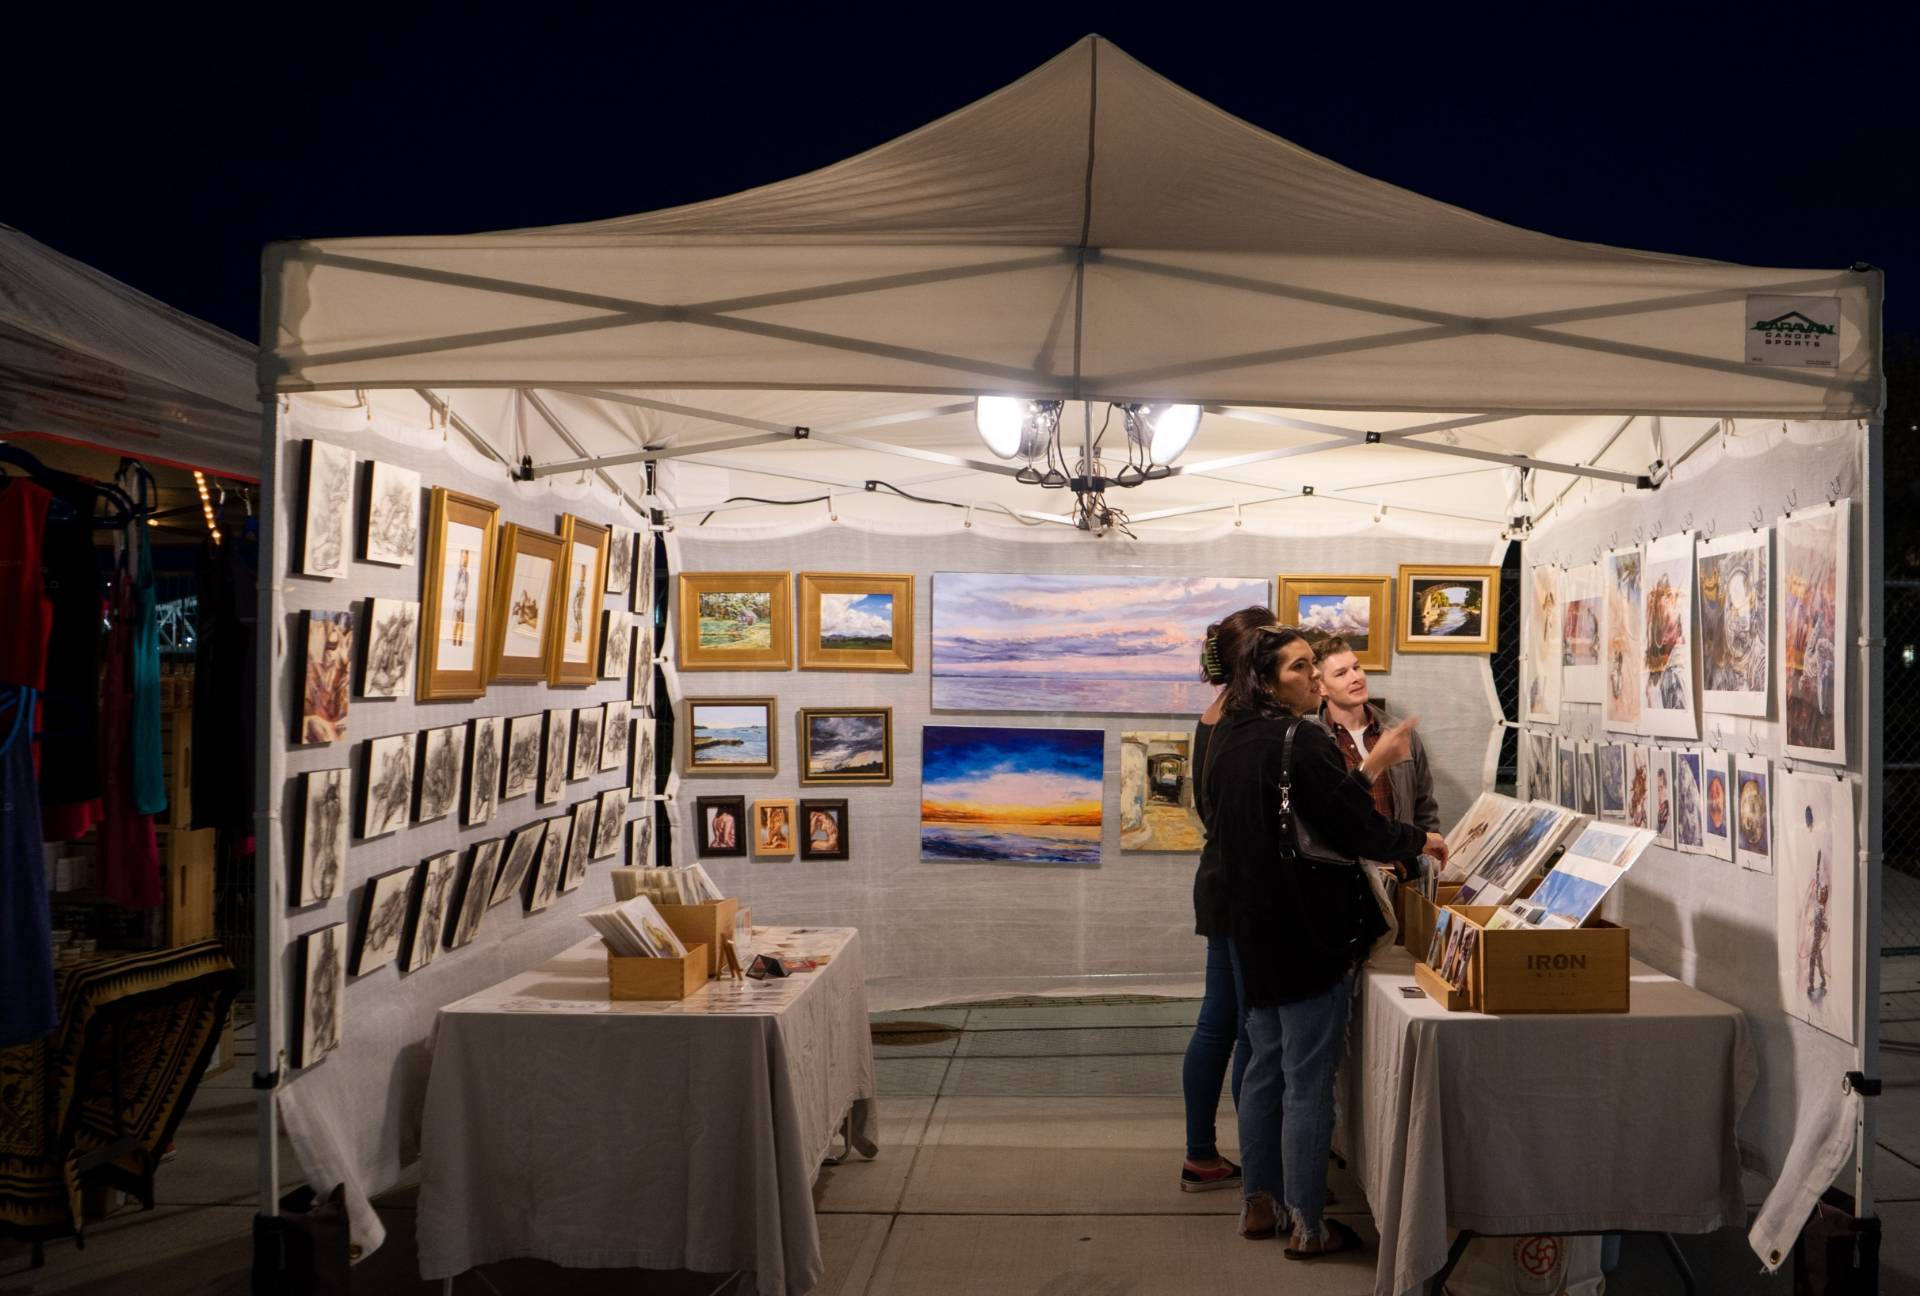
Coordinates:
[24,607]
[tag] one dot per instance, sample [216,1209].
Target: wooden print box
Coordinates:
[1418,916]
[709,924]
[656,978]
[1532,969]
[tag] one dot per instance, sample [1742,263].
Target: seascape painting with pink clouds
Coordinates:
[1120,644]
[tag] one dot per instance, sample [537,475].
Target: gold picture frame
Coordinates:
[456,595]
[519,641]
[861,646]
[843,728]
[1466,596]
[752,623]
[574,646]
[1324,619]
[721,737]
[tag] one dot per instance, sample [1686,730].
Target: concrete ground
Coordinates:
[1025,1148]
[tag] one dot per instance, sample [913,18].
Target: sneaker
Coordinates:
[1224,1175]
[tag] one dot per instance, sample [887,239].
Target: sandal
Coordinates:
[1338,1238]
[1258,1219]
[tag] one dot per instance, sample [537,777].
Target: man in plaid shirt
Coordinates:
[1405,792]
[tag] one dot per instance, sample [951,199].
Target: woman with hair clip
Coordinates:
[1220,1032]
[1290,825]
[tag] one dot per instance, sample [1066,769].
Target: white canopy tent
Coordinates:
[85,358]
[808,352]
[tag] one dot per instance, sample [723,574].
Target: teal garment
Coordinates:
[149,776]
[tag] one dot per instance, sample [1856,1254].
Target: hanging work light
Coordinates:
[1014,427]
[1161,432]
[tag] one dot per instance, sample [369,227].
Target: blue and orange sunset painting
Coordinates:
[1125,643]
[1027,795]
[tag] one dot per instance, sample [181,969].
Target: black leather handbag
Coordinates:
[1297,838]
[1329,872]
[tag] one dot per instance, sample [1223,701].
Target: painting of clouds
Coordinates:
[856,621]
[1027,795]
[1116,644]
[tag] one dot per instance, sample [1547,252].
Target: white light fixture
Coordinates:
[1014,427]
[1163,431]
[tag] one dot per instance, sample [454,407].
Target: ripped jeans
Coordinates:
[1286,1101]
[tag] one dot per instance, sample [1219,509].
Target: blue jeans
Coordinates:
[1286,1109]
[1219,1034]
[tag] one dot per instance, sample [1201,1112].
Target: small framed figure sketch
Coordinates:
[553,861]
[393,636]
[730,736]
[519,635]
[523,756]
[773,828]
[389,785]
[579,844]
[323,957]
[1358,609]
[323,837]
[522,849]
[329,672]
[574,638]
[735,621]
[458,593]
[1447,609]
[856,621]
[553,762]
[823,830]
[615,731]
[641,784]
[616,644]
[383,919]
[612,816]
[472,904]
[846,745]
[483,768]
[430,914]
[619,559]
[328,534]
[640,843]
[722,825]
[440,772]
[586,740]
[393,515]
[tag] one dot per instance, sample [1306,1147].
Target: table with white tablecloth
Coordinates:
[1540,1123]
[566,1127]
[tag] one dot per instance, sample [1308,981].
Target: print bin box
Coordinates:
[1417,916]
[702,924]
[1537,970]
[656,978]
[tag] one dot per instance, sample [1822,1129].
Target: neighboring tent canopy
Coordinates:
[1091,232]
[85,358]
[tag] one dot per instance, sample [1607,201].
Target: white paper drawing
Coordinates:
[393,515]
[1753,812]
[324,993]
[1815,632]
[1736,622]
[1622,654]
[1580,674]
[389,784]
[1814,894]
[393,638]
[1546,609]
[323,841]
[1668,701]
[483,769]
[327,550]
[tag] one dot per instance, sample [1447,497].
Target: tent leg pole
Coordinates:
[266,897]
[1872,658]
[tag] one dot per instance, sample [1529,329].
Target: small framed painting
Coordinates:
[846,745]
[735,621]
[773,829]
[616,644]
[612,818]
[389,785]
[586,740]
[856,621]
[522,849]
[393,632]
[721,824]
[518,637]
[730,736]
[823,830]
[574,640]
[523,756]
[430,914]
[553,763]
[472,905]
[615,730]
[383,919]
[1357,609]
[323,839]
[328,532]
[329,670]
[442,756]
[640,844]
[579,844]
[458,591]
[619,559]
[1448,609]
[393,515]
[553,860]
[323,993]
[641,783]
[483,768]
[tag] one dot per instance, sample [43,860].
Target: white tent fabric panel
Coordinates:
[83,357]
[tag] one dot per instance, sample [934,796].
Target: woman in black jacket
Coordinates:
[1298,927]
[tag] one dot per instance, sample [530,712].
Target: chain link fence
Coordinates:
[1900,788]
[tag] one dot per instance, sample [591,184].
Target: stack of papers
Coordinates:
[697,886]
[1592,866]
[634,929]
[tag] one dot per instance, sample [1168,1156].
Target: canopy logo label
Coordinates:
[1793,331]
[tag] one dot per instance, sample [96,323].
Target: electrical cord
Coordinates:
[875,485]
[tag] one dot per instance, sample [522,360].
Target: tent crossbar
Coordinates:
[1597,455]
[670,407]
[440,406]
[560,429]
[650,455]
[913,452]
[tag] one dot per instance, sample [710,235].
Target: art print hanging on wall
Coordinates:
[1586,768]
[383,919]
[1613,782]
[857,621]
[735,621]
[846,745]
[476,893]
[389,784]
[1356,609]
[522,849]
[1540,765]
[393,515]
[430,914]
[586,740]
[457,586]
[523,756]
[642,780]
[1689,802]
[1565,787]
[1814,626]
[1753,813]
[1622,631]
[323,839]
[323,958]
[483,769]
[1448,609]
[1639,787]
[730,736]
[393,632]
[1546,600]
[1580,674]
[1077,644]
[553,862]
[611,818]
[328,675]
[721,825]
[580,843]
[1667,595]
[1156,792]
[440,772]
[1660,797]
[328,537]
[616,644]
[615,731]
[553,762]
[824,831]
[574,646]
[1024,795]
[1814,897]
[1736,619]
[1717,805]
[619,559]
[520,629]
[773,830]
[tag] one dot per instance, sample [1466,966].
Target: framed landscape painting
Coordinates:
[735,621]
[1358,609]
[520,635]
[1448,609]
[574,636]
[846,745]
[1031,796]
[457,593]
[730,736]
[856,621]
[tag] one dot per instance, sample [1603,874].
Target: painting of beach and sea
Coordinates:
[1030,796]
[1113,644]
[730,736]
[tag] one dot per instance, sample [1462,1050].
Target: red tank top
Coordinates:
[23,595]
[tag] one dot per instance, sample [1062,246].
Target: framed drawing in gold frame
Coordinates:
[573,646]
[525,599]
[856,621]
[1447,609]
[735,621]
[1358,609]
[456,595]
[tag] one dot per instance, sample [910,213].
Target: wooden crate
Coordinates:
[1535,969]
[1418,915]
[709,924]
[656,978]
[1438,990]
[187,869]
[176,762]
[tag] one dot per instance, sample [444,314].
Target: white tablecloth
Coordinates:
[565,1127]
[1540,1123]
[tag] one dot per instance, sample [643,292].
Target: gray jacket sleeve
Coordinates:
[1426,810]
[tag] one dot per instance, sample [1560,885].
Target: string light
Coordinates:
[206,504]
